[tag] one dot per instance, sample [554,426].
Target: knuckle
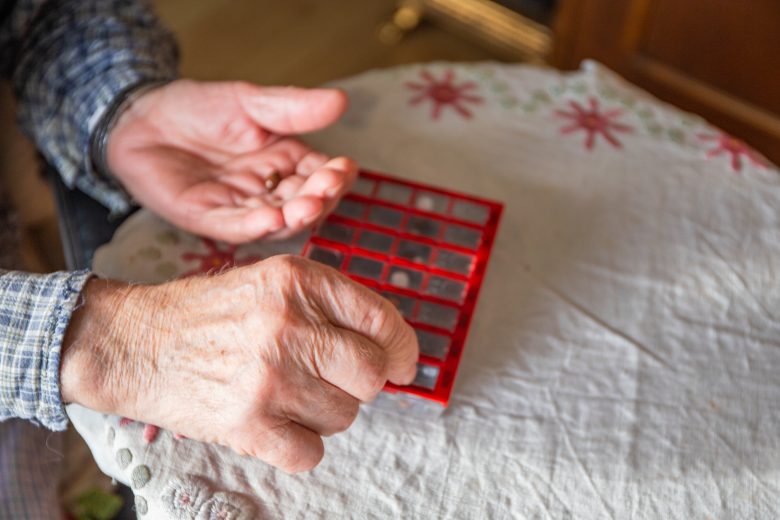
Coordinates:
[268,385]
[283,275]
[351,413]
[297,273]
[381,319]
[374,369]
[310,461]
[303,458]
[376,317]
[283,450]
[343,415]
[279,332]
[286,449]
[343,163]
[284,264]
[401,340]
[319,349]
[256,393]
[408,337]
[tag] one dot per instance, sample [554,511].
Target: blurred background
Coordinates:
[718,58]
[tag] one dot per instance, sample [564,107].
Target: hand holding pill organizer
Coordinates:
[424,249]
[622,361]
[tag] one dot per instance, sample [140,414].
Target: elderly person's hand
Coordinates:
[264,359]
[199,154]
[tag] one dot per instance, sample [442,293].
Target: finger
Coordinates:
[282,156]
[287,445]
[239,224]
[296,215]
[290,158]
[289,187]
[311,162]
[323,407]
[194,201]
[331,182]
[309,201]
[301,212]
[349,361]
[291,110]
[248,183]
[334,178]
[351,306]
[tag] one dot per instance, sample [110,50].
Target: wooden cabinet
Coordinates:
[717,58]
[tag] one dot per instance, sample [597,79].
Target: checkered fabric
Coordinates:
[34,312]
[30,462]
[10,239]
[68,60]
[28,470]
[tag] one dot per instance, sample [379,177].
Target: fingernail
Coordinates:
[332,192]
[309,220]
[412,374]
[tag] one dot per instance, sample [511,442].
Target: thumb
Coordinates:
[292,110]
[349,305]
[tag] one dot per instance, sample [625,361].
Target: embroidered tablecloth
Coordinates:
[624,359]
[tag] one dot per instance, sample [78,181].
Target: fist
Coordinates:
[266,359]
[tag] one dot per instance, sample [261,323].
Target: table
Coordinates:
[623,359]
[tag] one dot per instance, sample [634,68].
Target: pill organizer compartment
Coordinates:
[425,251]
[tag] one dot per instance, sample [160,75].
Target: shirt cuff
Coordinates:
[99,182]
[75,58]
[34,312]
[98,144]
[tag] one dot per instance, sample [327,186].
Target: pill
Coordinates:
[400,279]
[429,371]
[424,203]
[273,181]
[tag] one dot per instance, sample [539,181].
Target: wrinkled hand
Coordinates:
[264,359]
[198,154]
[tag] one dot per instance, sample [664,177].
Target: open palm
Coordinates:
[199,154]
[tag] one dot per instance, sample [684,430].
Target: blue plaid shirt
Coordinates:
[68,59]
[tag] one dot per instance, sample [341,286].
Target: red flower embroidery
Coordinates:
[593,122]
[150,431]
[216,260]
[734,147]
[443,93]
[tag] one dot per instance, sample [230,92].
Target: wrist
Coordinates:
[98,146]
[109,346]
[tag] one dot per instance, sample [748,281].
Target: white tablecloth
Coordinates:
[623,360]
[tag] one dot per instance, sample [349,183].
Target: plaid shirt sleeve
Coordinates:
[34,311]
[71,60]
[68,59]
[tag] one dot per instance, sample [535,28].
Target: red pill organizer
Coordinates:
[425,249]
